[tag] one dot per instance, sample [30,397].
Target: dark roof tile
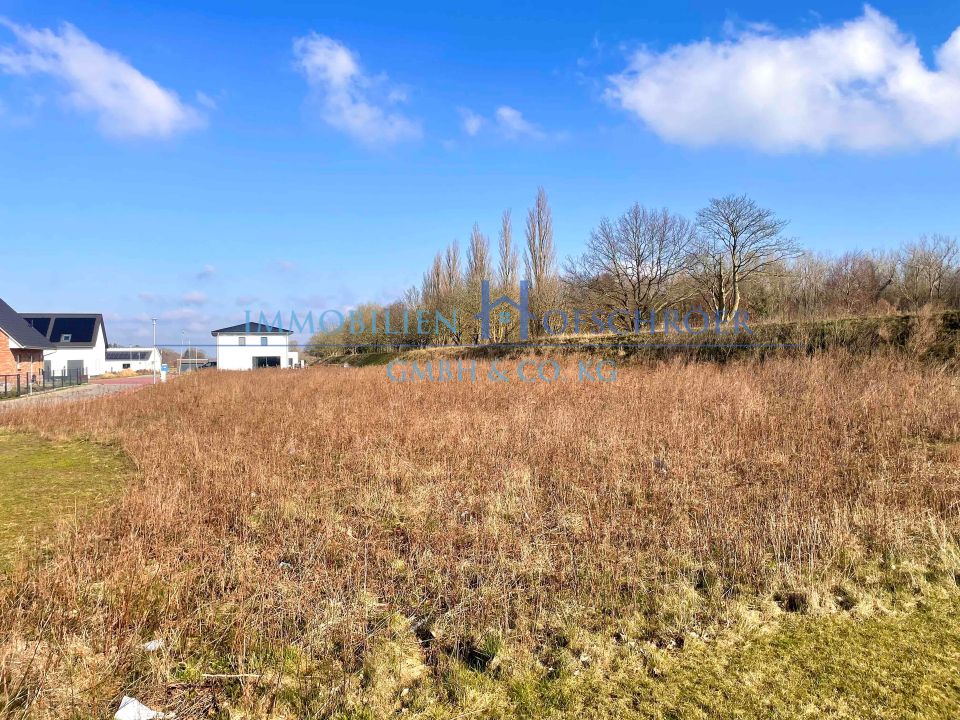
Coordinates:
[253,328]
[20,330]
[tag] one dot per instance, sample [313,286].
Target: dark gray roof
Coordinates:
[83,328]
[131,354]
[20,330]
[253,328]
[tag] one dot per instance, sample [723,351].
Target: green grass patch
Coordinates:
[42,481]
[896,666]
[902,665]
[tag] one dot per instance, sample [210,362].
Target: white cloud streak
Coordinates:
[348,96]
[859,86]
[513,125]
[127,103]
[507,122]
[472,122]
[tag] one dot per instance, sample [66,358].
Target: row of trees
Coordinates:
[923,273]
[653,259]
[733,255]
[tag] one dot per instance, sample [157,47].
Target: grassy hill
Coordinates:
[934,337]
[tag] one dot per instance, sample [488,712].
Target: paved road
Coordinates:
[96,388]
[136,381]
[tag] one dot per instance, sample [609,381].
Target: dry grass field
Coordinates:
[325,543]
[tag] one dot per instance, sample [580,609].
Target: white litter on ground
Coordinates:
[133,709]
[153,645]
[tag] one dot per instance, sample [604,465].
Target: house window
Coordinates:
[263,341]
[243,341]
[66,337]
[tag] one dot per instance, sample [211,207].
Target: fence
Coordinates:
[24,384]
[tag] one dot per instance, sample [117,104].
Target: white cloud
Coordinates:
[862,85]
[472,123]
[206,272]
[195,323]
[205,100]
[182,314]
[348,96]
[513,125]
[195,297]
[507,121]
[126,102]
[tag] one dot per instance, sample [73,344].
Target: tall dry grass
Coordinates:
[288,517]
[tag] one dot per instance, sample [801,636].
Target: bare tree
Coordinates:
[856,281]
[795,290]
[737,239]
[441,285]
[413,299]
[540,257]
[452,277]
[928,268]
[454,293]
[478,257]
[634,262]
[432,287]
[507,276]
[478,269]
[508,269]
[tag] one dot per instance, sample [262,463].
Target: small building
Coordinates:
[253,345]
[79,341]
[136,359]
[22,348]
[187,365]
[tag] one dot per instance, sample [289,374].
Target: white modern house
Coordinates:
[253,345]
[137,359]
[79,342]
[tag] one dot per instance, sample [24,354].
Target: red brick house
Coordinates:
[21,347]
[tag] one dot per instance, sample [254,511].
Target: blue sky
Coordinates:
[188,160]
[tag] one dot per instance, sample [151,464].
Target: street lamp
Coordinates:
[154,357]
